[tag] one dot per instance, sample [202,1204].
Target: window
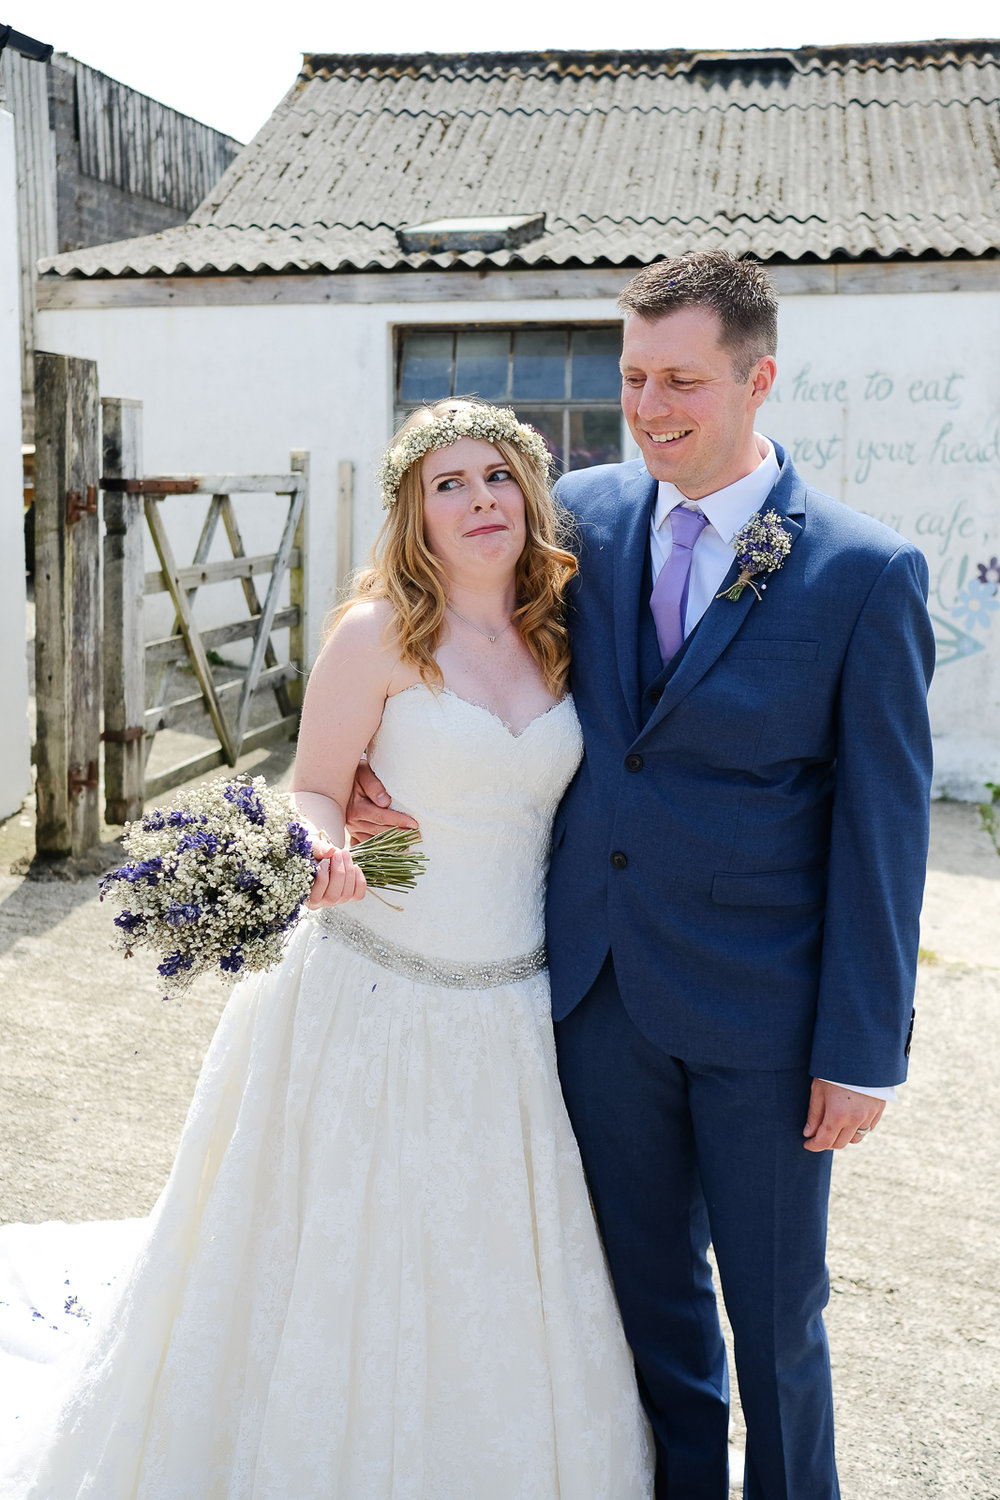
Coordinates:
[564,381]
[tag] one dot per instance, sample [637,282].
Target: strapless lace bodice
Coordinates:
[485,800]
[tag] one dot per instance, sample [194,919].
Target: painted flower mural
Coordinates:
[976,603]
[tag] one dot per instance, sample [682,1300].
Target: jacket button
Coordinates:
[618,860]
[633,762]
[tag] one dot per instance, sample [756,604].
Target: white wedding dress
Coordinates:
[374,1272]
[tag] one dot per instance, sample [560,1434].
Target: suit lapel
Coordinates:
[723,617]
[631,533]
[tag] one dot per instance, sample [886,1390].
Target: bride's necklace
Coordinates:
[491,636]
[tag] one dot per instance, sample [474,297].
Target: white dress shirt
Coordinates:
[727,510]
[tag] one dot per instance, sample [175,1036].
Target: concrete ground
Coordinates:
[96,1071]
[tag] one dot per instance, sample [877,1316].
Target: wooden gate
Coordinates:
[84,446]
[138,678]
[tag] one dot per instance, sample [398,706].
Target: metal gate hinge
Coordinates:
[77,507]
[81,782]
[149,486]
[122,736]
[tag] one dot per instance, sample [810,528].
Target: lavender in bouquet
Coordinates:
[215,885]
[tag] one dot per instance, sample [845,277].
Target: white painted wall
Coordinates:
[234,389]
[15,742]
[892,403]
[889,401]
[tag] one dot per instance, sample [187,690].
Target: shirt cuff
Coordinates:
[888,1094]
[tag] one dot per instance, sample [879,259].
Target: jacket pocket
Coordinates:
[765,650]
[772,888]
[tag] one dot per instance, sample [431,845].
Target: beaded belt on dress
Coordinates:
[453,974]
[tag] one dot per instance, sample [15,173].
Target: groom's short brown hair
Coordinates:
[739,292]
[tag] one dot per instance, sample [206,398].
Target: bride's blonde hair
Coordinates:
[403,570]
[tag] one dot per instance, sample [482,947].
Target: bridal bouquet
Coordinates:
[216,884]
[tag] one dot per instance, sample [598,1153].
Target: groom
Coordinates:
[736,875]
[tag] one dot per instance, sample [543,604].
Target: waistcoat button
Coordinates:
[618,860]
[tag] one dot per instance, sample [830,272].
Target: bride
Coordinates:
[374,1272]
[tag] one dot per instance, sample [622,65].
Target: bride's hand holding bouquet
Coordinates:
[338,879]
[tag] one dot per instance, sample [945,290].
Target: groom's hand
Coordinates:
[839,1117]
[369,810]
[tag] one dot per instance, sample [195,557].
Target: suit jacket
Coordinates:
[747,833]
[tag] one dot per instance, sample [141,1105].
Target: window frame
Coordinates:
[566,405]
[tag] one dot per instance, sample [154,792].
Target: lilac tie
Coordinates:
[668,601]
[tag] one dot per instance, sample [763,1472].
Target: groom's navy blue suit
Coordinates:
[733,902]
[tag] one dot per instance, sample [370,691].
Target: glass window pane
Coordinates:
[550,425]
[481,361]
[595,437]
[595,363]
[540,363]
[425,372]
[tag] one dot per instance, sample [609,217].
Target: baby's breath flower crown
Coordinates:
[463,420]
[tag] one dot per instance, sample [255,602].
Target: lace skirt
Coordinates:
[374,1273]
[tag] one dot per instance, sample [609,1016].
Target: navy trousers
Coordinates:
[679,1154]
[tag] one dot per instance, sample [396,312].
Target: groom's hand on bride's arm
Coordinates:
[369,810]
[839,1117]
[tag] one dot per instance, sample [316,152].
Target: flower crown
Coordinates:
[486,423]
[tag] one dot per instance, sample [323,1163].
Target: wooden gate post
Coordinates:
[345,524]
[298,590]
[67,605]
[124,642]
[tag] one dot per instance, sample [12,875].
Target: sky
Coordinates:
[230,63]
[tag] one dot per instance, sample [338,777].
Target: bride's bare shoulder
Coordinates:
[363,644]
[365,625]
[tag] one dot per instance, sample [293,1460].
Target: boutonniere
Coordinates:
[761,546]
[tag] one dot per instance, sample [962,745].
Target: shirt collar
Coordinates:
[730,508]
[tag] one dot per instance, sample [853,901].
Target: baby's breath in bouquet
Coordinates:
[216,884]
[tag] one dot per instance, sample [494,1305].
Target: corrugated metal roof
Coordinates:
[870,151]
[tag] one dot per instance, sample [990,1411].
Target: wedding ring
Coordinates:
[862,1130]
